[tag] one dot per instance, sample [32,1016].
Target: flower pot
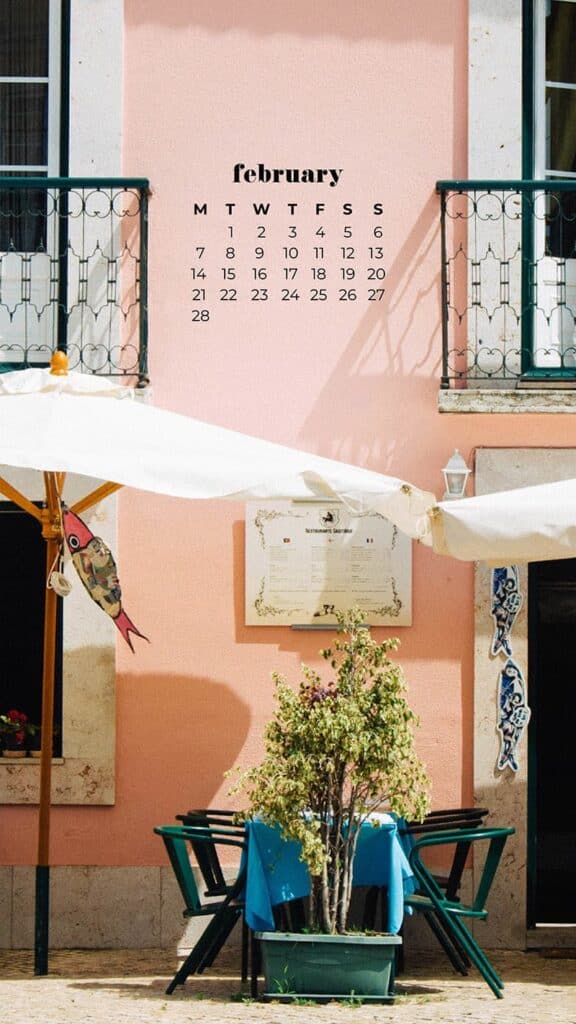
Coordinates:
[324,967]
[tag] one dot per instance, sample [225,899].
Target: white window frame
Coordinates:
[54,87]
[86,773]
[541,84]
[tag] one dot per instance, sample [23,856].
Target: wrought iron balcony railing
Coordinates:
[508,283]
[73,274]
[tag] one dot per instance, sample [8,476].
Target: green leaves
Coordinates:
[339,747]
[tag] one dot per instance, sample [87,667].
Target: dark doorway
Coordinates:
[22,619]
[552,743]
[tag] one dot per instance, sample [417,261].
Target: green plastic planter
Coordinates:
[323,967]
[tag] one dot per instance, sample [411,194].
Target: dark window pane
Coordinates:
[561,117]
[23,223]
[23,124]
[22,619]
[24,37]
[561,224]
[560,42]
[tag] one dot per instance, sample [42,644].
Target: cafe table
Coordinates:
[276,874]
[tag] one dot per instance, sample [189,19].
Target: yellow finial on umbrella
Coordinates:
[59,364]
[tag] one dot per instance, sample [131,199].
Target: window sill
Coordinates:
[24,762]
[485,400]
[75,780]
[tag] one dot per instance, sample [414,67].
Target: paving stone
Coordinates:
[127,987]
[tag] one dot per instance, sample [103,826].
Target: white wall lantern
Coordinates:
[456,475]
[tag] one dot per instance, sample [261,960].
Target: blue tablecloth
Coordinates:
[275,873]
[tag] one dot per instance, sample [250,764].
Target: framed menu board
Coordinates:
[305,561]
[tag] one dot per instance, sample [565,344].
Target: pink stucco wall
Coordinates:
[379,89]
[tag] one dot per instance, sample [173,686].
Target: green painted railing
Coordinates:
[508,280]
[73,274]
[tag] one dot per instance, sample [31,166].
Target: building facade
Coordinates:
[341,248]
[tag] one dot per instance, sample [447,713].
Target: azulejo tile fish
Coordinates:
[95,565]
[506,603]
[513,713]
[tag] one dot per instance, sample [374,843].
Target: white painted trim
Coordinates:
[506,793]
[96,87]
[54,95]
[495,89]
[86,772]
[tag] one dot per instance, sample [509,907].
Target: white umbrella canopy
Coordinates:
[77,423]
[61,423]
[528,524]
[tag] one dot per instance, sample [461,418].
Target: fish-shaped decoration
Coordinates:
[506,603]
[95,565]
[513,713]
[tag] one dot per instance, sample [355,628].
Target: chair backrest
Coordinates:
[496,839]
[206,853]
[177,848]
[211,812]
[449,820]
[458,812]
[204,841]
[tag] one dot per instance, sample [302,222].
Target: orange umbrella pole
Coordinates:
[53,536]
[47,727]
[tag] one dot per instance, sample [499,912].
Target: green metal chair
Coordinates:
[447,821]
[441,820]
[208,860]
[224,913]
[207,854]
[431,899]
[289,916]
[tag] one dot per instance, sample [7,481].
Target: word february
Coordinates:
[287,175]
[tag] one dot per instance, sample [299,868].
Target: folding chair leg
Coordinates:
[206,949]
[482,962]
[255,961]
[454,951]
[478,958]
[370,907]
[190,965]
[399,955]
[245,942]
[217,935]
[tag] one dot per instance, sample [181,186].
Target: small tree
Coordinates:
[335,751]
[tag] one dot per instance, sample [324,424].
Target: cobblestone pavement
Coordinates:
[127,986]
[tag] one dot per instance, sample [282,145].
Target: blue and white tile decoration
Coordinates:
[506,603]
[513,713]
[513,710]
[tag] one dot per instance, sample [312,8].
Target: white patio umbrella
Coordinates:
[528,524]
[61,423]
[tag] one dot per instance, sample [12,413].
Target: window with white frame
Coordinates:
[30,121]
[29,115]
[554,158]
[555,89]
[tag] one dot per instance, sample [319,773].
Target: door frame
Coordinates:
[507,793]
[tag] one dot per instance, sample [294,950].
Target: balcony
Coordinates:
[73,274]
[508,295]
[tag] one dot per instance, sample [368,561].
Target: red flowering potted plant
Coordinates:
[14,728]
